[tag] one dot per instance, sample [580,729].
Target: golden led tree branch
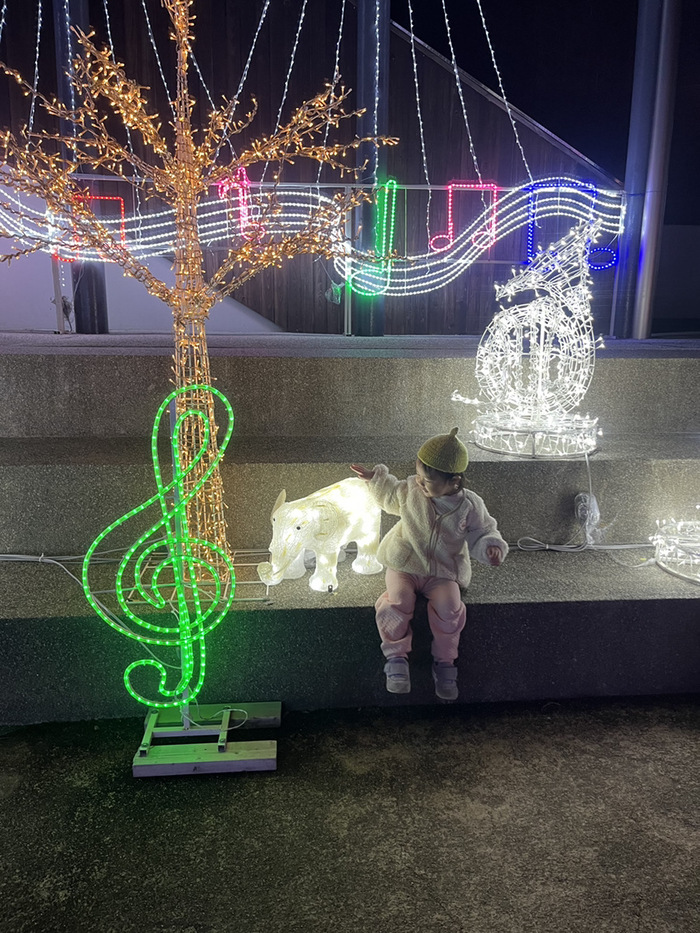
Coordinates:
[178,164]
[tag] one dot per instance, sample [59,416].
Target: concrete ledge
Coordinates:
[544,626]
[108,395]
[56,495]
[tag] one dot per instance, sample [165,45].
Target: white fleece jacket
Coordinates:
[425,542]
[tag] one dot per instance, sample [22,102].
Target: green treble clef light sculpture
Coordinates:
[200,590]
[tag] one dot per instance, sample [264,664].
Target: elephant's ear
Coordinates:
[281,499]
[328,519]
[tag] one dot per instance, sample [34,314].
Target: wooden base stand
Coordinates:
[182,755]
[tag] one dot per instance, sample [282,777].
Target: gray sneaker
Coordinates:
[398,677]
[445,677]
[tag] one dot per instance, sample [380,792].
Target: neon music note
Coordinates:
[172,561]
[240,184]
[485,237]
[89,198]
[383,242]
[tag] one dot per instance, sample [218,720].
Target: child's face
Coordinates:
[434,488]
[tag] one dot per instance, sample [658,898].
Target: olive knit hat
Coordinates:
[445,452]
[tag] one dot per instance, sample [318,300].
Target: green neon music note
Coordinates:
[383,244]
[175,562]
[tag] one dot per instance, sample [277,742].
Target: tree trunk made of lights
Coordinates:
[205,511]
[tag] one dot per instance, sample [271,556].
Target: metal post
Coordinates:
[654,53]
[89,289]
[657,174]
[373,95]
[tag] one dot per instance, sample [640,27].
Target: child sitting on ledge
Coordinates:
[442,524]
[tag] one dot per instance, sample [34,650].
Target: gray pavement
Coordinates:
[575,816]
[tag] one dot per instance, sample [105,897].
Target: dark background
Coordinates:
[569,64]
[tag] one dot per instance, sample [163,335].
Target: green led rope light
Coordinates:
[383,241]
[194,621]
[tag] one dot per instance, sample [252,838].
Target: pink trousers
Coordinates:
[446,614]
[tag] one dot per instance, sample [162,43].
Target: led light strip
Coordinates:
[225,136]
[503,93]
[30,125]
[292,59]
[420,119]
[336,75]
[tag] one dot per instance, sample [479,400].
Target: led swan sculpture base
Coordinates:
[677,546]
[535,361]
[323,523]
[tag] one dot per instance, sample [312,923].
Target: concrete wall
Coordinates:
[27,293]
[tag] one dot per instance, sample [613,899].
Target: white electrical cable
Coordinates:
[528,543]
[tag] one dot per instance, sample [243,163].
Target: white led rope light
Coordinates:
[336,75]
[292,59]
[420,120]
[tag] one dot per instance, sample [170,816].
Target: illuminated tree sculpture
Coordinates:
[178,166]
[535,360]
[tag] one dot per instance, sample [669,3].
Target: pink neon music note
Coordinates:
[486,236]
[240,184]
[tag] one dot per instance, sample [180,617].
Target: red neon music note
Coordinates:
[86,196]
[485,237]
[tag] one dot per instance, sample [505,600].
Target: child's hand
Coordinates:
[361,472]
[494,555]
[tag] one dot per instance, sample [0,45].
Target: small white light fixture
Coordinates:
[677,546]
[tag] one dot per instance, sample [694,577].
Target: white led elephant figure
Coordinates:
[323,522]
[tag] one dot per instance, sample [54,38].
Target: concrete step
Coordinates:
[75,455]
[544,626]
[57,494]
[320,387]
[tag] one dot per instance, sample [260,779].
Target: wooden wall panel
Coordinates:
[294,296]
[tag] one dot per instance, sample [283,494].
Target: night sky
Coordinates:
[568,64]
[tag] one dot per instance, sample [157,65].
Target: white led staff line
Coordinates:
[419,274]
[284,220]
[608,207]
[409,275]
